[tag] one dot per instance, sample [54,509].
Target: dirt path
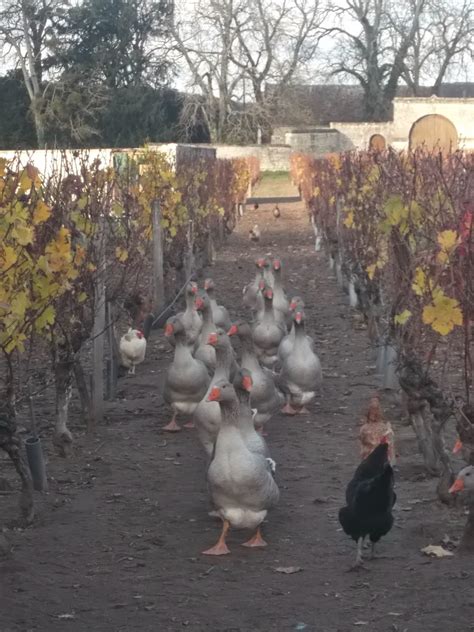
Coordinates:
[116,547]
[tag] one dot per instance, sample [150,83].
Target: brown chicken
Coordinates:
[373,428]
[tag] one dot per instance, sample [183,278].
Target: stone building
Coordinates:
[446,121]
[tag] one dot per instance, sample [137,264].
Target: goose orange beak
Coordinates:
[260,262]
[212,339]
[298,317]
[214,394]
[457,486]
[233,331]
[276,264]
[194,288]
[457,446]
[269,294]
[169,330]
[247,383]
[293,305]
[199,303]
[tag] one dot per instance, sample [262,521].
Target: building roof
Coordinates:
[324,103]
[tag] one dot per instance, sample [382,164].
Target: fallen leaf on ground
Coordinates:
[436,551]
[288,570]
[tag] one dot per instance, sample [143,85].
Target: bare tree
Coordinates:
[373,50]
[444,39]
[234,49]
[25,26]
[204,39]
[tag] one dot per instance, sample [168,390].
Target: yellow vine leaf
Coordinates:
[3,164]
[46,318]
[19,304]
[23,234]
[58,251]
[395,210]
[419,284]
[371,270]
[7,258]
[82,297]
[443,314]
[121,254]
[349,221]
[80,255]
[41,212]
[403,317]
[447,239]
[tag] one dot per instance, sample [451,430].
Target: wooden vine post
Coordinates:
[98,330]
[158,276]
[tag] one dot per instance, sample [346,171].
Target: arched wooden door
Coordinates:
[434,131]
[377,142]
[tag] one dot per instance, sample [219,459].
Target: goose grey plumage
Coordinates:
[204,351]
[300,374]
[186,380]
[268,333]
[207,416]
[240,482]
[264,397]
[220,315]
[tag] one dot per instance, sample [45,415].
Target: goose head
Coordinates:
[209,285]
[218,339]
[295,302]
[174,327]
[240,328]
[464,481]
[201,302]
[222,391]
[244,380]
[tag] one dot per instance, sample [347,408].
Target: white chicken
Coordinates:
[132,349]
[254,233]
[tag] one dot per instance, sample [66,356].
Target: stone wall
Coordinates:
[50,161]
[272,157]
[406,112]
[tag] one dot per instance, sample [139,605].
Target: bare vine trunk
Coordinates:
[429,425]
[63,369]
[84,395]
[11,444]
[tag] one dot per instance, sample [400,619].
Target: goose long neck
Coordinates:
[277,279]
[189,302]
[207,314]
[244,404]
[267,309]
[299,332]
[223,361]
[182,353]
[230,412]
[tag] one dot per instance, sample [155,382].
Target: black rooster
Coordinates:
[369,500]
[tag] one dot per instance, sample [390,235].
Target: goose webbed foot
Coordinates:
[256,542]
[289,410]
[172,426]
[220,548]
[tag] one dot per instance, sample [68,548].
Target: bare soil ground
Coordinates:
[117,541]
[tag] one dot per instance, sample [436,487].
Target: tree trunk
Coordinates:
[63,367]
[11,444]
[39,125]
[424,437]
[84,395]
